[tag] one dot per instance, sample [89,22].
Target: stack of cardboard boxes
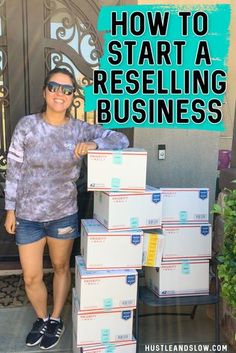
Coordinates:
[134,225]
[105,291]
[184,268]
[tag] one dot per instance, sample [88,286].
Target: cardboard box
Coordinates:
[153,245]
[121,347]
[103,249]
[116,289]
[187,241]
[119,211]
[125,170]
[185,205]
[179,278]
[96,327]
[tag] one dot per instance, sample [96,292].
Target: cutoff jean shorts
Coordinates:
[31,231]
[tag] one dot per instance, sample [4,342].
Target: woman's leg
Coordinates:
[60,251]
[31,258]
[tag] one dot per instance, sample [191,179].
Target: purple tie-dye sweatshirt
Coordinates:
[42,169]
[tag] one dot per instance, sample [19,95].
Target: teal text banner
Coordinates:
[163,66]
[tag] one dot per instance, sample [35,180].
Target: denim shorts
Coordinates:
[30,231]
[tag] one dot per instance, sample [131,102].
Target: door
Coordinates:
[35,36]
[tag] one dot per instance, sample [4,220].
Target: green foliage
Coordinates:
[227,258]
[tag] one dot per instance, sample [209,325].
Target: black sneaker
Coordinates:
[36,333]
[52,334]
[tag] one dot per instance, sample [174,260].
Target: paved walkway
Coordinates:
[16,322]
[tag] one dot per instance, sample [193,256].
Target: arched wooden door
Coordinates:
[35,36]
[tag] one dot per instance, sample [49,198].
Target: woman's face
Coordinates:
[58,100]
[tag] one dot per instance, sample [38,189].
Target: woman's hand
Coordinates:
[82,148]
[10,222]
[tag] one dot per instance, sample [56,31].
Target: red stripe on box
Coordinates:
[102,310]
[188,257]
[100,346]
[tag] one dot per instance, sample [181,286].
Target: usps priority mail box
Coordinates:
[119,210]
[123,170]
[96,327]
[105,290]
[187,241]
[103,249]
[118,347]
[153,246]
[185,205]
[179,278]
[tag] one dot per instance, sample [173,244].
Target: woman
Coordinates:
[44,162]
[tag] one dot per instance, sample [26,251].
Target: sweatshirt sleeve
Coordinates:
[105,139]
[14,161]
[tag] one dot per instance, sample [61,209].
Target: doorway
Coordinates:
[36,36]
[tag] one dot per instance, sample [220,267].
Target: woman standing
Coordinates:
[44,162]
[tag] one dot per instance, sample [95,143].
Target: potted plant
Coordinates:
[227,263]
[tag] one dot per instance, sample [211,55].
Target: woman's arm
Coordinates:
[14,162]
[10,222]
[95,136]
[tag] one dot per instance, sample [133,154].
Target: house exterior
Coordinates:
[36,35]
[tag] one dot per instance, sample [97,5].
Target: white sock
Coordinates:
[45,318]
[55,318]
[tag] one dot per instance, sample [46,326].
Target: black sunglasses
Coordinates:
[65,89]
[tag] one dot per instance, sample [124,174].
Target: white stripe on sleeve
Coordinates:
[17,152]
[15,158]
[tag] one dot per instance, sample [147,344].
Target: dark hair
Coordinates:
[58,70]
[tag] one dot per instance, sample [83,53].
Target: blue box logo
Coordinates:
[205,230]
[126,314]
[156,197]
[130,279]
[135,239]
[203,194]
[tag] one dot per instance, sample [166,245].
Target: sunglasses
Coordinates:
[65,89]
